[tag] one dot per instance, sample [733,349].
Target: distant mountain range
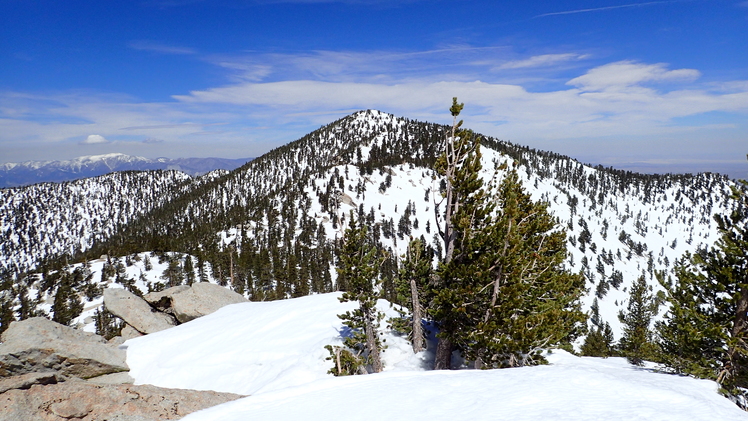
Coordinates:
[32,172]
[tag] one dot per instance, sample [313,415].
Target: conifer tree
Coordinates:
[358,265]
[173,273]
[503,294]
[107,324]
[458,166]
[599,340]
[637,344]
[67,304]
[705,331]
[6,300]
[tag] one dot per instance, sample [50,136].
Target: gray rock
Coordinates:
[83,401]
[162,299]
[201,299]
[129,332]
[25,381]
[114,378]
[135,311]
[41,345]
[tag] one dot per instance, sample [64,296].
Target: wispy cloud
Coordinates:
[155,47]
[600,9]
[541,61]
[448,62]
[169,126]
[619,100]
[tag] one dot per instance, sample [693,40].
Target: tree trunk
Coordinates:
[443,357]
[418,344]
[740,324]
[371,343]
[231,266]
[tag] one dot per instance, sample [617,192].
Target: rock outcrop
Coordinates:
[39,345]
[83,401]
[25,381]
[135,311]
[162,299]
[200,299]
[51,372]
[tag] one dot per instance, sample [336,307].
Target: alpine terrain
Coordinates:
[272,229]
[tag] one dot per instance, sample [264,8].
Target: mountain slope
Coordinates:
[51,219]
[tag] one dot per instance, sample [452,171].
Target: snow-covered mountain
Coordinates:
[270,227]
[53,219]
[32,172]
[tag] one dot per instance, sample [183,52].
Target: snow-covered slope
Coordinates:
[273,351]
[54,219]
[620,225]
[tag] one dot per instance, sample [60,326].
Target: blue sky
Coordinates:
[655,86]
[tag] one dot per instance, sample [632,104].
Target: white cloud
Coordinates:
[94,138]
[612,101]
[628,73]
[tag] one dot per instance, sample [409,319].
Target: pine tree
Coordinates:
[173,274]
[6,300]
[705,331]
[67,304]
[107,324]
[504,294]
[637,343]
[358,265]
[599,340]
[458,165]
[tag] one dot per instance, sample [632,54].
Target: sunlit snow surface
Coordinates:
[274,351]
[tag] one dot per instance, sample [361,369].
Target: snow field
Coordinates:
[274,352]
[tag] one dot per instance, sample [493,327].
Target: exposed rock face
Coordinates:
[83,401]
[135,311]
[201,299]
[41,345]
